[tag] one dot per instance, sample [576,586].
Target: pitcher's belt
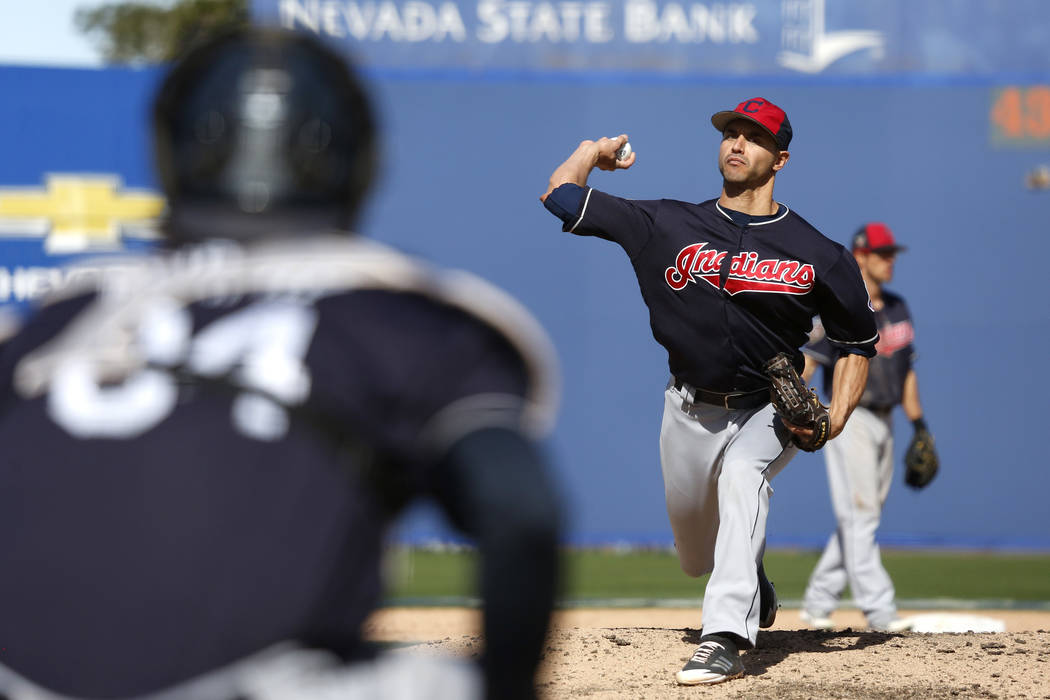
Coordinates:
[747,399]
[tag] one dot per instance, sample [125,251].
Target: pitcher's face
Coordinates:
[748,154]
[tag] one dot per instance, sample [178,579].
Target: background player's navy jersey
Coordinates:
[888,369]
[725,298]
[198,446]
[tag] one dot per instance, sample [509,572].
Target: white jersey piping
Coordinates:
[583,211]
[757,223]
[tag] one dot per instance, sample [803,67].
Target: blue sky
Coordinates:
[42,32]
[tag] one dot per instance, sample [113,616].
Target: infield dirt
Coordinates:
[634,653]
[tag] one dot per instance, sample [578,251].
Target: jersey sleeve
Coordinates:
[819,348]
[586,211]
[845,309]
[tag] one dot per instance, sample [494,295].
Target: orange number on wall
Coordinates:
[1007,113]
[1037,112]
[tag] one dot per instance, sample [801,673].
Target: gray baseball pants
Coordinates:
[717,464]
[860,470]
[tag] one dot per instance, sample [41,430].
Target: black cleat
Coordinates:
[767,600]
[714,661]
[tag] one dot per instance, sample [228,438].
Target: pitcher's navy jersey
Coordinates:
[196,448]
[724,298]
[888,369]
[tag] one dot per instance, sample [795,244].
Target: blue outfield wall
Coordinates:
[918,155]
[466,158]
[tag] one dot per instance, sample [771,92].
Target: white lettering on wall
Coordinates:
[524,21]
[532,22]
[646,21]
[20,284]
[27,283]
[414,21]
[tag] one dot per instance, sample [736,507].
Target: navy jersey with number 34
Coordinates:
[197,447]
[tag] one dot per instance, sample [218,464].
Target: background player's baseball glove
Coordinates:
[796,403]
[920,460]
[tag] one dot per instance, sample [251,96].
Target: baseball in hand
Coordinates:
[624,151]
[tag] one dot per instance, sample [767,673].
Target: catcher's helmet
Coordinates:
[260,132]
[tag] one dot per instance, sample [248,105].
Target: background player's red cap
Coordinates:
[876,237]
[762,112]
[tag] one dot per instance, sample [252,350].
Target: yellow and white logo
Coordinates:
[79,213]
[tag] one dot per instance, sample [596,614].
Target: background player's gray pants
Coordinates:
[860,470]
[717,464]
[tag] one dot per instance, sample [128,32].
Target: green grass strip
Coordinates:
[419,575]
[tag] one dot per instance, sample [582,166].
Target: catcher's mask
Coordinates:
[262,132]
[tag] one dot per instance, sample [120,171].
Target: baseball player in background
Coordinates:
[204,451]
[730,283]
[860,460]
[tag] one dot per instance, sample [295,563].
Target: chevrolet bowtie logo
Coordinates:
[77,212]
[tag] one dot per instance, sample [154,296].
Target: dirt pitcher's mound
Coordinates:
[635,654]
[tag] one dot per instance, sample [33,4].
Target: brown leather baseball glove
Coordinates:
[796,404]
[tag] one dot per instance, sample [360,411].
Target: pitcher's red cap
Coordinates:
[762,112]
[876,237]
